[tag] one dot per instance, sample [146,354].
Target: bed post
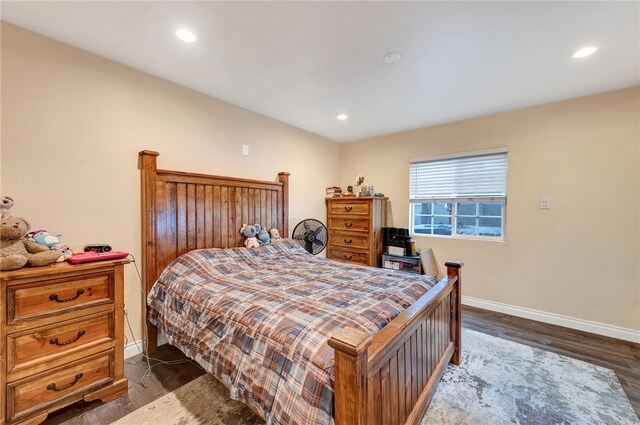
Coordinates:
[148,166]
[283,177]
[453,271]
[351,359]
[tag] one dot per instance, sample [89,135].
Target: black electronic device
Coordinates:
[312,235]
[398,238]
[97,247]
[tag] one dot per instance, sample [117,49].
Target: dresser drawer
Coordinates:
[49,387]
[356,240]
[355,207]
[28,349]
[57,296]
[347,223]
[355,229]
[348,255]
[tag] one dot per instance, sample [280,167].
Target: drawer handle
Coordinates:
[348,257]
[348,224]
[348,208]
[52,387]
[54,341]
[54,297]
[348,241]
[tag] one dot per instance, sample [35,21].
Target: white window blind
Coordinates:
[475,178]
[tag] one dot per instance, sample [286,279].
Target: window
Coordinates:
[461,195]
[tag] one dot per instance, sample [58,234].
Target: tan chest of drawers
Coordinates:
[62,335]
[355,229]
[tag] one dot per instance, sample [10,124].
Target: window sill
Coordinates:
[464,238]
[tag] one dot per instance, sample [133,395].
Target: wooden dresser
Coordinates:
[62,336]
[355,229]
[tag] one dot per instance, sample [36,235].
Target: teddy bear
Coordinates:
[250,233]
[263,236]
[5,206]
[15,252]
[275,235]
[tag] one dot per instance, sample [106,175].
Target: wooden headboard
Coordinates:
[182,211]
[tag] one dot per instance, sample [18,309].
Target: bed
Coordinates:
[376,362]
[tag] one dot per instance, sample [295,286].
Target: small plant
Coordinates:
[359,180]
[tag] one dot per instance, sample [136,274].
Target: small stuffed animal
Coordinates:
[250,233]
[263,237]
[5,207]
[16,252]
[64,250]
[44,238]
[275,235]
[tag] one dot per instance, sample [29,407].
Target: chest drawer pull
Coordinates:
[54,297]
[348,208]
[54,341]
[348,257]
[348,241]
[348,224]
[52,387]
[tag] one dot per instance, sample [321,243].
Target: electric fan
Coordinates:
[311,235]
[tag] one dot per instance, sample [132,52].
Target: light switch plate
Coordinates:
[544,203]
[245,149]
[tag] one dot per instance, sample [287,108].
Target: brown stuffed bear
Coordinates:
[15,252]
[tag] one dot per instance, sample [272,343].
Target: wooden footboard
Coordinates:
[390,378]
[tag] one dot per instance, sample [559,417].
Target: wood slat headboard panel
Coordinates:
[183,211]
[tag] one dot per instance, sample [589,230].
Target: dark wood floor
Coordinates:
[622,357]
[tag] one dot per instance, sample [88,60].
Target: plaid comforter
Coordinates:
[259,320]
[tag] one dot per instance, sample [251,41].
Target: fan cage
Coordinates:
[312,235]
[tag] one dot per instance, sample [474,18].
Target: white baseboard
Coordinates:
[162,339]
[555,319]
[134,348]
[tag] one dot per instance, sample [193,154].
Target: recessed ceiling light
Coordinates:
[186,35]
[342,117]
[584,52]
[392,57]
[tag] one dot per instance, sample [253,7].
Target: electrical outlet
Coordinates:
[544,203]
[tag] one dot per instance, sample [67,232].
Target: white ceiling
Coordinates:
[306,62]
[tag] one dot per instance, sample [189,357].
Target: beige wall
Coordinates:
[72,126]
[580,258]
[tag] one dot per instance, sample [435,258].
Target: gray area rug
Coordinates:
[502,382]
[499,382]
